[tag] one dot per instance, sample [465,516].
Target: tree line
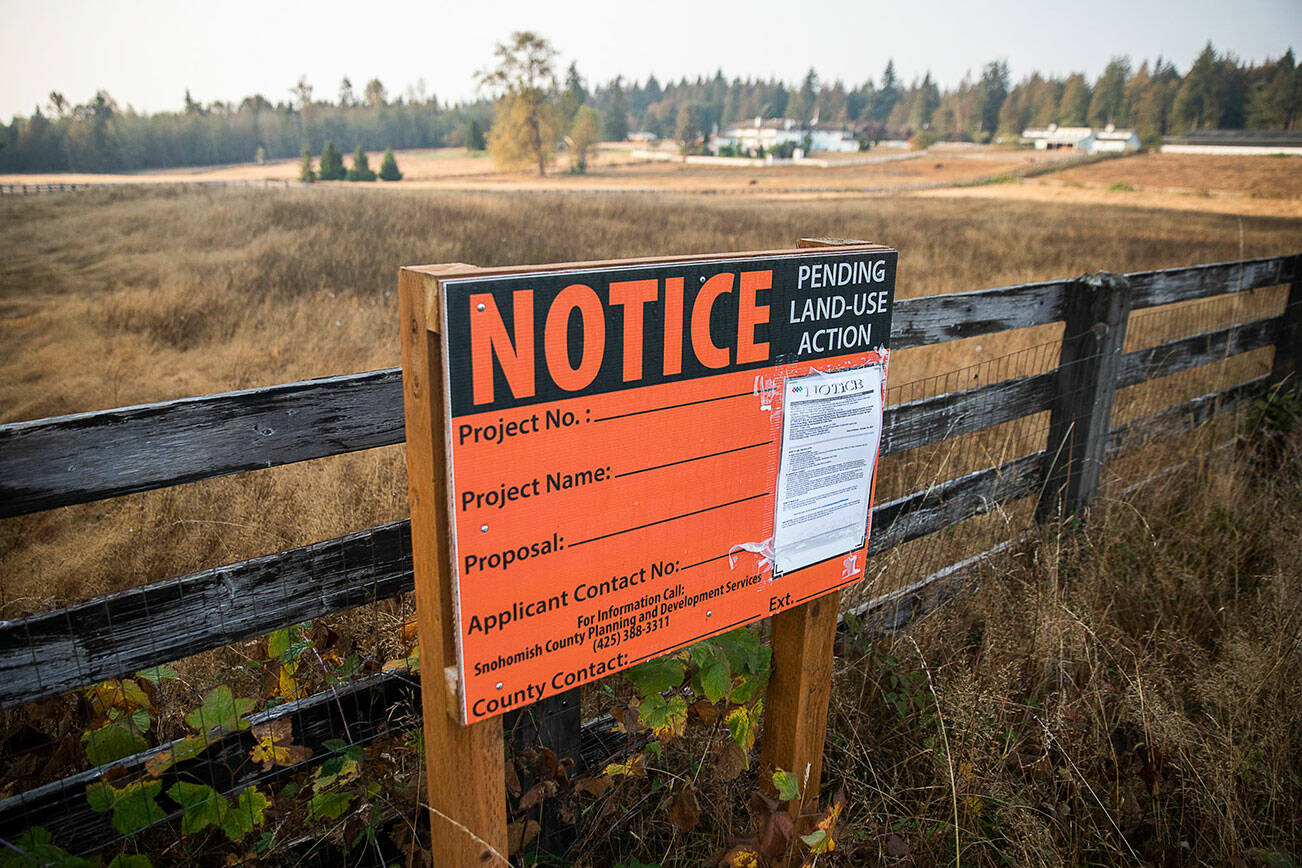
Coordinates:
[1218,91]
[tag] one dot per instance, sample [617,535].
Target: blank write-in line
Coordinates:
[663,520]
[674,406]
[696,458]
[706,561]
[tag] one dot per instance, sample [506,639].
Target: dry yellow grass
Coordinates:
[124,296]
[1078,674]
[1066,197]
[613,167]
[1272,177]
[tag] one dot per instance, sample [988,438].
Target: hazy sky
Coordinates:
[147,52]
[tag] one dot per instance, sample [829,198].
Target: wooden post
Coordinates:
[795,706]
[1288,346]
[465,765]
[1097,310]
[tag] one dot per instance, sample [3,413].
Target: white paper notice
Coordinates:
[831,429]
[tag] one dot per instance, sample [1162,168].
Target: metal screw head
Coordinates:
[499,685]
[708,613]
[483,528]
[702,278]
[479,306]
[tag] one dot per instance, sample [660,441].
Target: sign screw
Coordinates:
[483,528]
[479,306]
[708,613]
[499,685]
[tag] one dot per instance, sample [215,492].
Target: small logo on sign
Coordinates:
[850,566]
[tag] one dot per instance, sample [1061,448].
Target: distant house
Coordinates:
[1086,140]
[770,133]
[1111,140]
[832,137]
[1234,142]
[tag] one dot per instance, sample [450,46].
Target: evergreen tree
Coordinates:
[803,101]
[332,164]
[616,113]
[1107,105]
[991,91]
[389,167]
[1200,100]
[305,172]
[1073,108]
[361,168]
[475,136]
[928,100]
[885,98]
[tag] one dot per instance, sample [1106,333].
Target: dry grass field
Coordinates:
[124,296]
[1089,697]
[613,167]
[1270,177]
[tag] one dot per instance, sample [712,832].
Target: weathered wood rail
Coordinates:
[85,457]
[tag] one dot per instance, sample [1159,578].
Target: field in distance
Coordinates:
[1260,186]
[615,167]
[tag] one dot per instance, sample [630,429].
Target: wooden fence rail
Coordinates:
[89,456]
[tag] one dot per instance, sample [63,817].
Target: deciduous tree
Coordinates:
[585,133]
[524,84]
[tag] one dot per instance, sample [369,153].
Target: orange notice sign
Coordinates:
[643,455]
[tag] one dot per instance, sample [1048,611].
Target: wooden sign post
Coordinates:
[611,461]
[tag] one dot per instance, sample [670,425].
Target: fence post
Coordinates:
[1095,316]
[465,765]
[1288,346]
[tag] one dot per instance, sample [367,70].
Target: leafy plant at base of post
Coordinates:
[732,668]
[330,799]
[777,840]
[203,807]
[124,710]
[36,849]
[135,806]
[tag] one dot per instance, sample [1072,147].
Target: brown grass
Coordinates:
[613,167]
[1088,665]
[1273,177]
[130,295]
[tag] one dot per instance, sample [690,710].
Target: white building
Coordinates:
[1087,140]
[1234,142]
[770,133]
[1111,140]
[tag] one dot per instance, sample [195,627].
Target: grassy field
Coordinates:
[613,167]
[1270,177]
[125,296]
[1130,640]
